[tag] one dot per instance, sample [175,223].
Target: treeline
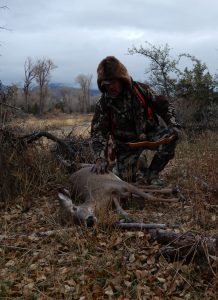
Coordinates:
[38,96]
[184,79]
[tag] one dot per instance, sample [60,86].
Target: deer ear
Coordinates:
[63,197]
[66,202]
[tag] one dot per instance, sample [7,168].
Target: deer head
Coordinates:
[81,214]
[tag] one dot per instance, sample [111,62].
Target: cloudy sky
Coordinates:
[77,34]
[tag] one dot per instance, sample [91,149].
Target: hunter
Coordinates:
[129,111]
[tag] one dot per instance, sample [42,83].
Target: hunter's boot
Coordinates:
[153,178]
[142,169]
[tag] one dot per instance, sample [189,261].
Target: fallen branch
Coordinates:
[66,230]
[179,246]
[66,150]
[139,226]
[37,135]
[8,105]
[185,246]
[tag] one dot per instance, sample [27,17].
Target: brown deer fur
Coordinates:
[97,193]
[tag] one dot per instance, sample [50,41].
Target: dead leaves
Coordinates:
[99,263]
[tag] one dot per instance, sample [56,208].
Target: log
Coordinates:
[139,226]
[179,246]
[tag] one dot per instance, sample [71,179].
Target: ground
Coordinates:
[104,262]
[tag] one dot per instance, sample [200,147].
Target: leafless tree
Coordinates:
[85,83]
[29,69]
[68,98]
[162,67]
[2,27]
[43,69]
[3,7]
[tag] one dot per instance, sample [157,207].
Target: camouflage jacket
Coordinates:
[125,118]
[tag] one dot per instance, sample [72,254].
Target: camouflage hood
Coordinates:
[111,68]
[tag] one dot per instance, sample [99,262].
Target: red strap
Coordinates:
[143,103]
[150,112]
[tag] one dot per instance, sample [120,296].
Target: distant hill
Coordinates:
[56,86]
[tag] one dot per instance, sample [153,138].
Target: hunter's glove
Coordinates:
[100,166]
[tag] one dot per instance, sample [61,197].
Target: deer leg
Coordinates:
[128,189]
[153,198]
[148,196]
[119,209]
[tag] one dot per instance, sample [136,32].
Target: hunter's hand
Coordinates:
[176,131]
[100,166]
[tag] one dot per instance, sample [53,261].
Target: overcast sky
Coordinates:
[78,34]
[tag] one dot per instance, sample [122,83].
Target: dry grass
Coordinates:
[104,263]
[51,122]
[195,170]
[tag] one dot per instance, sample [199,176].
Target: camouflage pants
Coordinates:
[133,162]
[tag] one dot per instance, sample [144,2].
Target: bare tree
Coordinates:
[43,69]
[29,69]
[68,98]
[3,7]
[85,83]
[2,27]
[162,66]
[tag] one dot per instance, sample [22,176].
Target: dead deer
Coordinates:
[98,193]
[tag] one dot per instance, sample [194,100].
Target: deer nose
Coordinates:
[90,221]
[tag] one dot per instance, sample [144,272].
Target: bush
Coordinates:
[25,171]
